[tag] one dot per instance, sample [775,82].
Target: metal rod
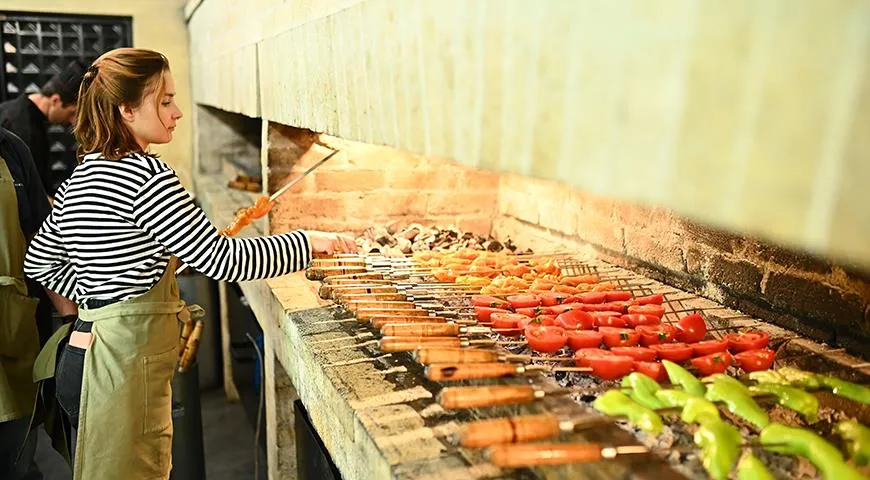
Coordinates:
[298,179]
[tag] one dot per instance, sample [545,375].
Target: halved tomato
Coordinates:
[545,339]
[535,311]
[755,360]
[565,307]
[619,337]
[617,296]
[548,299]
[609,321]
[575,320]
[656,299]
[578,339]
[675,352]
[642,354]
[592,297]
[483,313]
[524,300]
[714,363]
[656,334]
[545,320]
[582,355]
[653,370]
[752,340]
[618,307]
[708,347]
[692,327]
[611,367]
[649,309]
[508,323]
[637,319]
[489,301]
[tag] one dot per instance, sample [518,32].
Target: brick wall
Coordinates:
[367,185]
[817,298]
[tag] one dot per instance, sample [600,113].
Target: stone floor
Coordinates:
[228,437]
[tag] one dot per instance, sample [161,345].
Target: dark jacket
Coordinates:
[23,118]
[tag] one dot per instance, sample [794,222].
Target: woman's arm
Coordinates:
[165,210]
[47,260]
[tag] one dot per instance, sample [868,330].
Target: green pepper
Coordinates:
[779,438]
[699,410]
[738,402]
[720,446]
[643,390]
[794,398]
[680,376]
[721,377]
[799,378]
[768,376]
[751,468]
[672,398]
[852,391]
[616,403]
[857,438]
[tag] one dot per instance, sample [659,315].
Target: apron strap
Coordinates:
[43,367]
[14,282]
[45,410]
[140,308]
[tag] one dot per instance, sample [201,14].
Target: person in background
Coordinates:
[110,242]
[29,116]
[23,207]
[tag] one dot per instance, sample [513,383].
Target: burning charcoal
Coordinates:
[411,231]
[403,245]
[494,246]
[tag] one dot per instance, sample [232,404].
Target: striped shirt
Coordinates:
[115,224]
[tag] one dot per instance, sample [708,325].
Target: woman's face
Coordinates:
[155,119]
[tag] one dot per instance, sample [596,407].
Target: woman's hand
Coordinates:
[330,243]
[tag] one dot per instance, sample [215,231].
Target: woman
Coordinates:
[108,244]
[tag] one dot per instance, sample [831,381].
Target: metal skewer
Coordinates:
[283,190]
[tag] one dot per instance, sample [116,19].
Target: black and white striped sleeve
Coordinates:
[47,260]
[165,210]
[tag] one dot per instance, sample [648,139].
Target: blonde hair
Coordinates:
[124,76]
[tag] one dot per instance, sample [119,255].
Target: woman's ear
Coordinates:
[127,113]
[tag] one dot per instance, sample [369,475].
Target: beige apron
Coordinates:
[19,339]
[125,418]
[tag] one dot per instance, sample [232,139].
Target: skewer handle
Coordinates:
[440,372]
[474,397]
[381,296]
[381,322]
[499,431]
[409,344]
[427,355]
[336,262]
[420,330]
[357,305]
[366,314]
[529,455]
[354,276]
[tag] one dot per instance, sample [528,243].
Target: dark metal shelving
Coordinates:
[35,46]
